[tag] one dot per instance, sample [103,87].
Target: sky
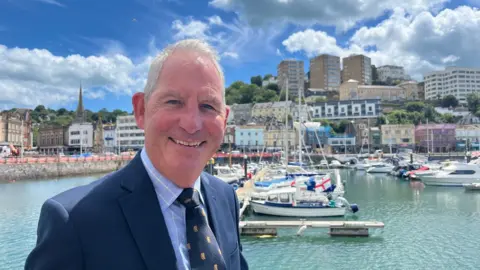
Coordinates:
[49,47]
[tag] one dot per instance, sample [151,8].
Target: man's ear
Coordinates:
[227,112]
[138,102]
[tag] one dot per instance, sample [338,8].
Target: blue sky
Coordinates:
[47,47]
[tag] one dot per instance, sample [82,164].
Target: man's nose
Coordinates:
[191,120]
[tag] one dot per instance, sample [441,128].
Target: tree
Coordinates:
[256,80]
[473,102]
[320,99]
[448,118]
[274,87]
[268,76]
[381,120]
[417,106]
[265,95]
[449,101]
[62,111]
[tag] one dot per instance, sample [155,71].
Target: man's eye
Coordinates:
[209,107]
[173,102]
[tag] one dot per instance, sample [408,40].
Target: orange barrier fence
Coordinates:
[31,160]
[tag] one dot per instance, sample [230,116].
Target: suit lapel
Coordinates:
[213,208]
[143,214]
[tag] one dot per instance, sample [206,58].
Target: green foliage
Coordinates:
[449,101]
[416,106]
[268,76]
[274,87]
[448,118]
[473,103]
[257,80]
[320,99]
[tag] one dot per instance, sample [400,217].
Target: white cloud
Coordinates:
[32,77]
[420,43]
[235,40]
[190,29]
[52,2]
[233,55]
[343,14]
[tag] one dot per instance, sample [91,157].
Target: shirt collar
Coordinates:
[167,191]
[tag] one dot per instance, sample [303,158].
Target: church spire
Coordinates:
[80,114]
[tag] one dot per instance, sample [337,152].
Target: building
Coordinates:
[347,109]
[421,91]
[80,116]
[357,67]
[276,110]
[398,136]
[249,137]
[52,139]
[456,81]
[315,135]
[274,139]
[367,137]
[98,137]
[110,138]
[391,73]
[16,128]
[352,89]
[129,136]
[229,138]
[301,112]
[467,136]
[412,90]
[80,137]
[293,70]
[325,72]
[435,137]
[340,142]
[270,80]
[240,114]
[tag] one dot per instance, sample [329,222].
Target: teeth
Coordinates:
[191,144]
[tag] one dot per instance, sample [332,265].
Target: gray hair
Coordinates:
[196,45]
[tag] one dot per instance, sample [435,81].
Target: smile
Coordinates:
[188,144]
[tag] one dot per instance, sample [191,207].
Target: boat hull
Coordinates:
[379,170]
[448,182]
[261,208]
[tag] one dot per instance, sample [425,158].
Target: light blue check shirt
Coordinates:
[173,212]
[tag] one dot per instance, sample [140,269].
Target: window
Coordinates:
[75,133]
[272,198]
[284,198]
[463,172]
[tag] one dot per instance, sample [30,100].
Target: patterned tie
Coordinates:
[203,249]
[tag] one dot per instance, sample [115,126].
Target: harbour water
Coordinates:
[425,228]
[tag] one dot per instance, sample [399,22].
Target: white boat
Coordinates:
[297,202]
[228,175]
[453,175]
[336,164]
[472,186]
[380,168]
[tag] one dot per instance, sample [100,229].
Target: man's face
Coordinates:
[185,117]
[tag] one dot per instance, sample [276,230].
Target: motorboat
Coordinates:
[380,168]
[472,187]
[336,164]
[453,175]
[228,175]
[301,202]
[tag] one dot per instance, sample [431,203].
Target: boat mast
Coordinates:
[286,125]
[299,126]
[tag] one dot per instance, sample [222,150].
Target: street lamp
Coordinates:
[245,158]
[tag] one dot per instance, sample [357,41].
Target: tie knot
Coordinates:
[189,198]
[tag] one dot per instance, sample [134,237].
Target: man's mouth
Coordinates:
[192,144]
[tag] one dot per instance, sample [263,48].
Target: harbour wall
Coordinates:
[41,168]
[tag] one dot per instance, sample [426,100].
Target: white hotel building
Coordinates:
[456,81]
[129,136]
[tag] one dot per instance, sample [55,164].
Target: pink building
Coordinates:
[435,137]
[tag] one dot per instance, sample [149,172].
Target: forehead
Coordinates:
[187,69]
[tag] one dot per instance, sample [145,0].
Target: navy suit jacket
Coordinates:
[116,223]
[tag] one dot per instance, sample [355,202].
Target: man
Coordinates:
[160,211]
